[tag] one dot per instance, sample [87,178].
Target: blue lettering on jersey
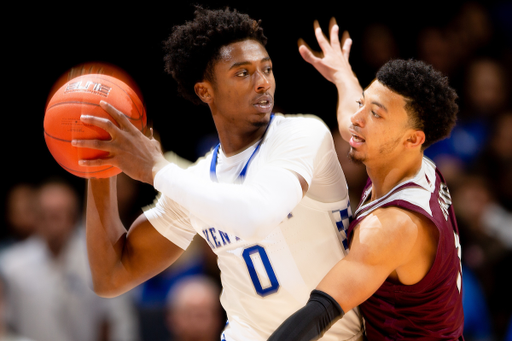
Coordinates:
[274,283]
[214,237]
[217,238]
[225,237]
[207,238]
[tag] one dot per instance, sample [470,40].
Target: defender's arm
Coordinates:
[333,64]
[390,242]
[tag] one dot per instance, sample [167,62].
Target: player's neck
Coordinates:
[235,140]
[387,175]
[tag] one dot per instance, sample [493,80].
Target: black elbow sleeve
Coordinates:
[311,321]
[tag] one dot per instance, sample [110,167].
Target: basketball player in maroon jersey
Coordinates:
[403,268]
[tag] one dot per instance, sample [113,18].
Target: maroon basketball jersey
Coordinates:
[432,308]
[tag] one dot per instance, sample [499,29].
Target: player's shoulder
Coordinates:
[299,126]
[393,219]
[397,216]
[390,230]
[300,121]
[402,222]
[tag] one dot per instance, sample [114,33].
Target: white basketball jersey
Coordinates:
[264,282]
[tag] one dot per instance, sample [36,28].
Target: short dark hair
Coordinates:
[193,48]
[430,101]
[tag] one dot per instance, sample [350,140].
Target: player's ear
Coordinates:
[415,139]
[204,91]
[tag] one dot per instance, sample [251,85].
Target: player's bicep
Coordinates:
[355,278]
[146,252]
[155,240]
[380,244]
[141,254]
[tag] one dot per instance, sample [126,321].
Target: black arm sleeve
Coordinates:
[311,321]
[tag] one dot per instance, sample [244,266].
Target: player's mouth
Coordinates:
[264,103]
[356,140]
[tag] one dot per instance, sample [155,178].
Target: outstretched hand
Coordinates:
[332,61]
[129,149]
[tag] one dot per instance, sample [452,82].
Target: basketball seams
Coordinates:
[96,105]
[86,170]
[56,138]
[70,102]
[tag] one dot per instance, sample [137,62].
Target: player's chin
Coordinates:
[355,156]
[261,119]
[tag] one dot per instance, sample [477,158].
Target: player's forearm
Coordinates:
[349,91]
[311,321]
[105,234]
[249,211]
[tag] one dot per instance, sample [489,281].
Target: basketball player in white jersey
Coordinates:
[271,199]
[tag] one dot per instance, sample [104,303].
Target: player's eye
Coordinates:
[242,73]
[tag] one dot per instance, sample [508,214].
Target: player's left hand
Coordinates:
[137,155]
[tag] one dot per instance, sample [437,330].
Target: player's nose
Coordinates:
[263,82]
[357,118]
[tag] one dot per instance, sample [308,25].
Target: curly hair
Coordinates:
[193,48]
[430,101]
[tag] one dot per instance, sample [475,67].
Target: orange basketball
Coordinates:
[96,67]
[82,95]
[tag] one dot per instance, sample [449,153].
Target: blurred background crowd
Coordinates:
[45,287]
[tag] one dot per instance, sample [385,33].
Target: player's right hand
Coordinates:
[138,156]
[332,62]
